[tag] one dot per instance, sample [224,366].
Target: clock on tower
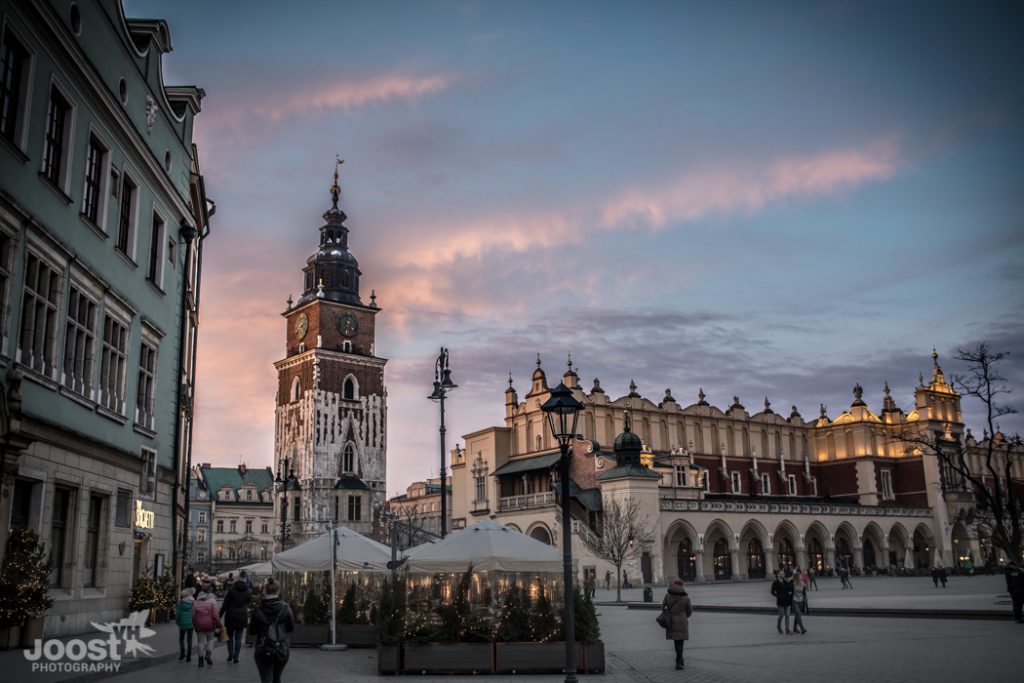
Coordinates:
[330,428]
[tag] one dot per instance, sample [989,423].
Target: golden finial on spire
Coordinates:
[335,189]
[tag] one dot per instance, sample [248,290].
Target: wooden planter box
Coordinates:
[591,657]
[32,631]
[389,661]
[454,658]
[357,635]
[310,635]
[529,658]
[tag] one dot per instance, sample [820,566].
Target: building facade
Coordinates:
[418,512]
[731,494]
[99,198]
[330,445]
[199,550]
[241,515]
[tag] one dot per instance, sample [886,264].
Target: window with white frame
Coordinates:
[480,487]
[156,243]
[681,475]
[113,364]
[737,482]
[6,255]
[232,526]
[93,195]
[145,399]
[80,342]
[248,526]
[126,217]
[39,307]
[147,485]
[57,139]
[705,481]
[264,526]
[202,517]
[766,484]
[886,477]
[202,534]
[355,506]
[220,526]
[14,84]
[792,484]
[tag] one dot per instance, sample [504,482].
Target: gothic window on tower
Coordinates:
[296,387]
[355,507]
[349,391]
[349,459]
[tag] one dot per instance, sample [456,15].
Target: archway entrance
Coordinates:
[961,546]
[686,561]
[923,549]
[541,534]
[785,557]
[844,554]
[722,560]
[755,559]
[816,555]
[870,561]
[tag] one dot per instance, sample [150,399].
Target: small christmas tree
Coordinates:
[348,613]
[168,591]
[315,609]
[145,594]
[24,579]
[544,623]
[391,612]
[588,630]
[459,623]
[514,620]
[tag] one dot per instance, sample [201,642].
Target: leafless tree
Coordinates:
[986,469]
[623,529]
[411,523]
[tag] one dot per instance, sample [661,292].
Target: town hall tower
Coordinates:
[330,441]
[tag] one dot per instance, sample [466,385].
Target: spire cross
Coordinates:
[335,189]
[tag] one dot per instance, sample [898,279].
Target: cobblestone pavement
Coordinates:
[723,647]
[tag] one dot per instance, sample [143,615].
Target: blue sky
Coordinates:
[753,199]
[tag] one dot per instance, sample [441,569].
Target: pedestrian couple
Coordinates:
[675,617]
[790,596]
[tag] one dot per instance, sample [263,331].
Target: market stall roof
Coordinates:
[536,462]
[488,545]
[257,569]
[355,553]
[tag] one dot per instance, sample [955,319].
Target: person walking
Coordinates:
[1015,586]
[183,618]
[677,603]
[935,576]
[608,580]
[783,592]
[235,610]
[799,605]
[206,621]
[942,576]
[190,580]
[812,577]
[625,580]
[270,624]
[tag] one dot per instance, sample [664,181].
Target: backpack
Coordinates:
[274,645]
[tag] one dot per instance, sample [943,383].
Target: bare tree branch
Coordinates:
[623,529]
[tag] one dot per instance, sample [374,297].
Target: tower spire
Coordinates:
[335,188]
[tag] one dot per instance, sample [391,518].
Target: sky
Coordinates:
[758,199]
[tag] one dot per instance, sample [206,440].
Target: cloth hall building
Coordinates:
[728,493]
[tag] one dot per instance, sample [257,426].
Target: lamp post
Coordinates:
[563,411]
[285,484]
[442,385]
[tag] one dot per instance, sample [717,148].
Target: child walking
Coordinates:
[183,618]
[206,621]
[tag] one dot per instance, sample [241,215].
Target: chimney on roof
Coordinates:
[206,465]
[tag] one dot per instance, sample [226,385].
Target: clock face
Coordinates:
[301,325]
[348,324]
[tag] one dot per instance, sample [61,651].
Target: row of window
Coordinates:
[88,353]
[103,187]
[246,552]
[233,527]
[68,547]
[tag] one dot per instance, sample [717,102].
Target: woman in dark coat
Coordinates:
[677,602]
[235,611]
[272,614]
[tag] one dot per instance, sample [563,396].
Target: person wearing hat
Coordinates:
[183,618]
[206,621]
[1015,587]
[677,603]
[270,625]
[235,610]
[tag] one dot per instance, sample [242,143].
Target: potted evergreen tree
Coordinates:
[390,620]
[24,583]
[314,628]
[589,646]
[353,621]
[145,595]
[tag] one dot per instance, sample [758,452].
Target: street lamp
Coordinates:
[442,385]
[284,484]
[563,410]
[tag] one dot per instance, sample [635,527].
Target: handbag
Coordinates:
[222,634]
[665,618]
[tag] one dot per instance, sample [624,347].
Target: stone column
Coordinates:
[883,561]
[858,558]
[700,565]
[734,555]
[801,557]
[830,558]
[769,561]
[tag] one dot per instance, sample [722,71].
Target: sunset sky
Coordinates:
[760,199]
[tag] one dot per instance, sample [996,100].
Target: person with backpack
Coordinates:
[206,621]
[677,604]
[235,610]
[183,618]
[270,624]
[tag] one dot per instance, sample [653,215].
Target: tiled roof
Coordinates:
[217,478]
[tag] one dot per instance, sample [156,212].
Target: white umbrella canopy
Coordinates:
[257,569]
[488,546]
[355,553]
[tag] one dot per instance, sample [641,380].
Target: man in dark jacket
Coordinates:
[783,592]
[1015,586]
[235,611]
[270,625]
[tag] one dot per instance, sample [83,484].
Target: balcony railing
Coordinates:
[526,502]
